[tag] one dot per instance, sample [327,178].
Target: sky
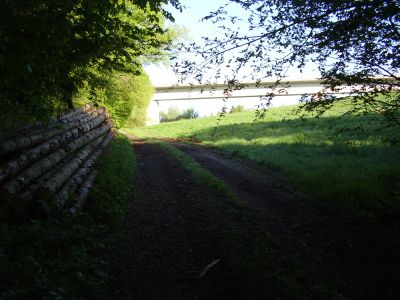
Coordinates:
[162,75]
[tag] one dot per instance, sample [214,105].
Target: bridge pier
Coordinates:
[153,113]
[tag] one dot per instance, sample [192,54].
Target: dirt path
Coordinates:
[172,238]
[342,249]
[174,233]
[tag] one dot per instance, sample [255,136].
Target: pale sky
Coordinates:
[162,75]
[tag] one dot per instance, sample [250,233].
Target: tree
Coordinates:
[355,43]
[126,96]
[47,47]
[188,113]
[171,115]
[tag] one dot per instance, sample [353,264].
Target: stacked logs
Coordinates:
[52,166]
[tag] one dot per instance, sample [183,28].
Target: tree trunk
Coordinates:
[87,137]
[13,187]
[40,135]
[77,111]
[30,156]
[34,171]
[48,189]
[83,194]
[80,175]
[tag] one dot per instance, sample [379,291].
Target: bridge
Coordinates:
[210,99]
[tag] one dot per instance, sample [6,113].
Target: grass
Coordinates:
[342,162]
[113,187]
[65,257]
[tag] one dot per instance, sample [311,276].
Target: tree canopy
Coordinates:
[47,47]
[353,43]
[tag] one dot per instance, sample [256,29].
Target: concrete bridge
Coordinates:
[209,100]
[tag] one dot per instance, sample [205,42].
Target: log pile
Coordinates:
[51,166]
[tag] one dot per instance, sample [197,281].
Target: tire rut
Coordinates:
[339,249]
[171,235]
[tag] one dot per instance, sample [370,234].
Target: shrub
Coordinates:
[189,113]
[171,115]
[175,114]
[126,96]
[235,109]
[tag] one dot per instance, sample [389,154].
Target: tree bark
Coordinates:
[40,135]
[80,175]
[34,171]
[23,205]
[87,137]
[83,194]
[43,157]
[77,111]
[28,157]
[48,189]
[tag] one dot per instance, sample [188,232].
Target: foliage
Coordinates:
[171,115]
[126,96]
[322,158]
[174,114]
[188,113]
[16,119]
[355,45]
[48,47]
[235,109]
[67,257]
[143,92]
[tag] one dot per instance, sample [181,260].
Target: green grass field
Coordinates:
[325,159]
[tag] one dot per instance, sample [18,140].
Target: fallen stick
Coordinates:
[207,268]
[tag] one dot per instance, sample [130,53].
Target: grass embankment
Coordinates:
[323,158]
[67,257]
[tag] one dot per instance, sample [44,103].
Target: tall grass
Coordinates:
[342,161]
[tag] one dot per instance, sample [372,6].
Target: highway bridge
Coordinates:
[209,100]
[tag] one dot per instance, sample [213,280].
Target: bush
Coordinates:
[175,114]
[171,115]
[235,109]
[126,96]
[189,113]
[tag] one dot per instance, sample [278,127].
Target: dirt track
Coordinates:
[172,238]
[174,234]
